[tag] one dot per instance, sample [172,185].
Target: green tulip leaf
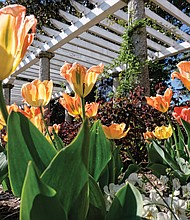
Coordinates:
[132,168]
[68,175]
[25,143]
[97,208]
[39,201]
[158,169]
[166,156]
[186,125]
[100,151]
[127,204]
[3,166]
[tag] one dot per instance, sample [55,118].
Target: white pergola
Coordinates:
[94,38]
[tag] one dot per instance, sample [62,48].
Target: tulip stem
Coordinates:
[3,104]
[42,114]
[83,109]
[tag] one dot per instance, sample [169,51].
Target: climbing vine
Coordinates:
[131,65]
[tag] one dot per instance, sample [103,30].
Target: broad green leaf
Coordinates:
[127,204]
[100,151]
[39,201]
[6,184]
[132,168]
[118,162]
[153,155]
[57,141]
[104,178]
[25,143]
[158,169]
[97,208]
[68,175]
[3,166]
[186,125]
[166,157]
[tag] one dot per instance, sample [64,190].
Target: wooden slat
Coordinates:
[172,10]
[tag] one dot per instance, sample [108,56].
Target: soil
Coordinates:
[9,206]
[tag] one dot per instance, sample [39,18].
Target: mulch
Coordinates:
[9,206]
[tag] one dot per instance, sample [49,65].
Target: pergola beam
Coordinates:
[174,11]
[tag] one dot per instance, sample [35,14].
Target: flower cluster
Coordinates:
[162,104]
[154,205]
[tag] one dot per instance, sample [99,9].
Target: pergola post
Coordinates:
[136,11]
[7,93]
[44,72]
[115,81]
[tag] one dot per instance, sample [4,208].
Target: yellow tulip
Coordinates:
[37,93]
[184,73]
[161,103]
[80,79]
[163,132]
[115,131]
[14,37]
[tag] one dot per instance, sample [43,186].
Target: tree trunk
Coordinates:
[136,11]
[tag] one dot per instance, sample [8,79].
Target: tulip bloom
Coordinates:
[14,37]
[115,131]
[35,116]
[184,73]
[10,108]
[161,103]
[37,93]
[163,132]
[91,109]
[182,112]
[80,79]
[71,104]
[148,135]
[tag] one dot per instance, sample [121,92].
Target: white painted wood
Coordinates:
[160,36]
[165,24]
[173,51]
[153,45]
[171,9]
[84,23]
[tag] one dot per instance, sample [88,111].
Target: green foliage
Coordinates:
[3,165]
[70,181]
[123,208]
[29,146]
[58,182]
[136,114]
[38,200]
[100,151]
[173,155]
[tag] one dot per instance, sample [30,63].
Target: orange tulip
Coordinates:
[161,103]
[80,79]
[10,108]
[148,135]
[115,131]
[34,115]
[91,109]
[71,104]
[37,93]
[182,112]
[184,73]
[14,37]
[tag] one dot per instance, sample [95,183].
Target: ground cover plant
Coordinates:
[85,179]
